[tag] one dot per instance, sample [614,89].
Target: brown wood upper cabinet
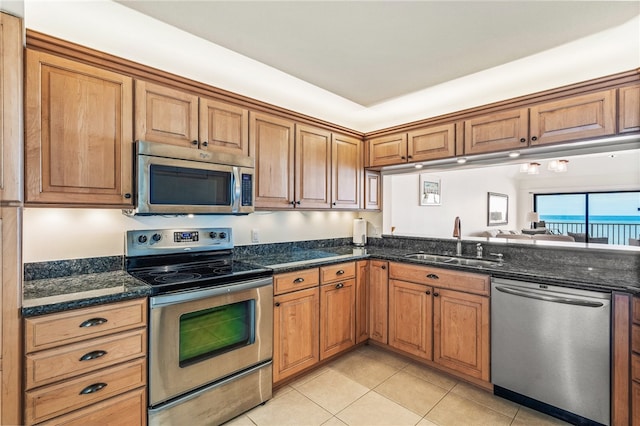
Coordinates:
[629,109]
[429,143]
[301,166]
[372,190]
[179,118]
[10,108]
[78,133]
[564,120]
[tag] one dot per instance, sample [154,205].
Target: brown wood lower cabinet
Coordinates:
[378,300]
[461,332]
[77,376]
[410,318]
[295,332]
[337,313]
[447,307]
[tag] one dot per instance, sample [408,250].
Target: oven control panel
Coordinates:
[167,241]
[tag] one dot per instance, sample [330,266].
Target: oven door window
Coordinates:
[211,332]
[187,186]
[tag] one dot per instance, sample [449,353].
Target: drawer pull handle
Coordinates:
[339,285]
[340,272]
[433,276]
[93,322]
[298,280]
[93,355]
[93,388]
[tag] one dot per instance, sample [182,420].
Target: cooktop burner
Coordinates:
[181,260]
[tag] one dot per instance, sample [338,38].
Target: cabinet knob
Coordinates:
[427,292]
[409,157]
[205,143]
[523,140]
[293,203]
[402,157]
[298,203]
[436,294]
[93,388]
[194,142]
[534,138]
[433,277]
[340,272]
[298,280]
[383,267]
[127,195]
[277,303]
[92,322]
[339,285]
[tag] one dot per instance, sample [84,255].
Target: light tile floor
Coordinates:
[371,386]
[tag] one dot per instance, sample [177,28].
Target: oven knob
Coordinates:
[142,239]
[222,235]
[213,234]
[156,237]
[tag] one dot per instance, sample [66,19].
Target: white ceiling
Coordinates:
[374,51]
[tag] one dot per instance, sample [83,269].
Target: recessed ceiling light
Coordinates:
[418,166]
[461,160]
[514,154]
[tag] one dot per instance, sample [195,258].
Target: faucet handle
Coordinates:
[499,255]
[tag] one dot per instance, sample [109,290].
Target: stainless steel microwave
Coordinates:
[176,180]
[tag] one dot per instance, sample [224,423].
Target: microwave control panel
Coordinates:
[247,189]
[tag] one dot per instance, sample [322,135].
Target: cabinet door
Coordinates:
[410,318]
[387,150]
[10,108]
[337,317]
[461,332]
[224,127]
[378,300]
[496,132]
[362,301]
[579,117]
[372,190]
[166,115]
[432,143]
[313,167]
[78,133]
[346,172]
[629,109]
[271,139]
[295,332]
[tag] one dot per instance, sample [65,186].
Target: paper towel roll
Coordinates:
[359,232]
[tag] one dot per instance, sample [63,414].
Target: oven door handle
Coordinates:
[186,296]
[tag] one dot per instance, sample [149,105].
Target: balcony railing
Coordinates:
[615,233]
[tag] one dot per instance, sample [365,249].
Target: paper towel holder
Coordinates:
[359,232]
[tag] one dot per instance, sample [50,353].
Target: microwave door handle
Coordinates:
[235,190]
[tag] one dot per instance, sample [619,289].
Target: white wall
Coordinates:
[464,194]
[14,7]
[55,234]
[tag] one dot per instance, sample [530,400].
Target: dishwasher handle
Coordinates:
[555,299]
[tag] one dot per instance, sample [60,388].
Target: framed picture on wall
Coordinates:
[430,191]
[497,209]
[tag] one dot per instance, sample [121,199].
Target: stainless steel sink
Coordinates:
[429,257]
[453,260]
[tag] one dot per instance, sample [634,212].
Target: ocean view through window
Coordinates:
[596,217]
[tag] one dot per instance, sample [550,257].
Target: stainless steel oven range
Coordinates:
[210,325]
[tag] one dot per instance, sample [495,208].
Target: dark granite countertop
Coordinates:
[48,295]
[45,296]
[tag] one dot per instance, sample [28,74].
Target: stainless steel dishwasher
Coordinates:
[550,349]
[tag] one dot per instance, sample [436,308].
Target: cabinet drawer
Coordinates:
[53,330]
[127,409]
[54,400]
[636,310]
[442,278]
[635,338]
[296,280]
[61,363]
[341,271]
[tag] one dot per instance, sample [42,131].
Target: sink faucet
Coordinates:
[457,233]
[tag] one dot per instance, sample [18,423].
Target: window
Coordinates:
[597,217]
